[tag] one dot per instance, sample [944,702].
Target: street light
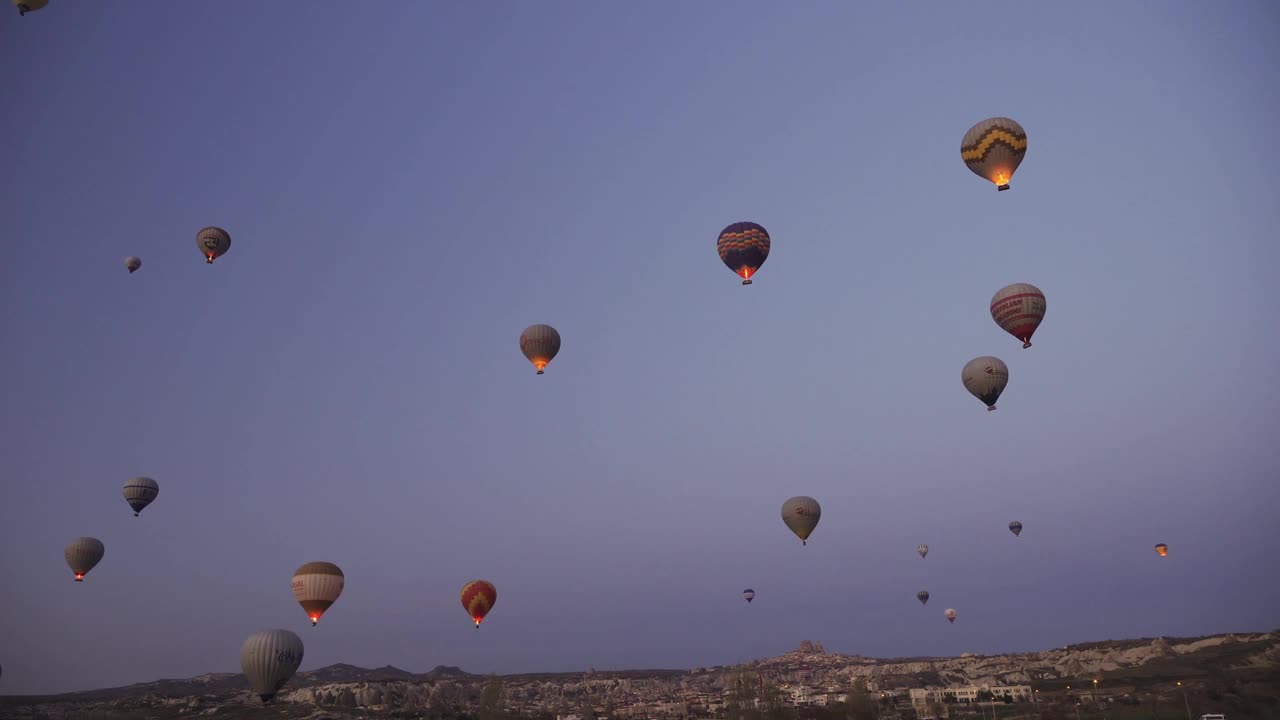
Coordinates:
[1184,699]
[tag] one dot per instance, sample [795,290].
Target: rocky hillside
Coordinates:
[1126,670]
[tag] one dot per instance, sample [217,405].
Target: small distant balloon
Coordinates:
[316,587]
[26,6]
[1015,527]
[269,658]
[993,149]
[478,597]
[83,554]
[749,594]
[923,597]
[1162,549]
[801,515]
[743,248]
[139,492]
[1019,309]
[540,344]
[922,549]
[985,378]
[132,264]
[950,614]
[213,242]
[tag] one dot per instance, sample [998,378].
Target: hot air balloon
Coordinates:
[923,597]
[214,242]
[749,594]
[922,549]
[743,247]
[1015,527]
[83,554]
[26,6]
[950,614]
[1162,549]
[993,149]
[269,658]
[801,514]
[540,343]
[139,492]
[316,586]
[478,597]
[1019,309]
[132,264]
[985,378]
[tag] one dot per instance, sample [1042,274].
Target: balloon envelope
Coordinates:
[923,596]
[269,658]
[540,344]
[743,248]
[993,149]
[478,597]
[1162,549]
[214,242]
[132,263]
[26,6]
[1015,527]
[950,614]
[1019,309]
[749,594]
[139,492]
[83,554]
[985,378]
[922,549]
[801,514]
[316,586]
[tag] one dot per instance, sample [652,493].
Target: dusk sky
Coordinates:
[408,185]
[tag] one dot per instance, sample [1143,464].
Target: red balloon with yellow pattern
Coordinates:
[478,597]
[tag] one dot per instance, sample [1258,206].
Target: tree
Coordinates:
[858,703]
[741,704]
[493,700]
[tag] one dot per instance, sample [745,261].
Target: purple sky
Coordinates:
[409,185]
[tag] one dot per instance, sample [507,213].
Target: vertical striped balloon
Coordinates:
[540,344]
[1019,309]
[269,658]
[478,597]
[83,554]
[993,149]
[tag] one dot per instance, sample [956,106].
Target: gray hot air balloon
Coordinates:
[950,614]
[316,586]
[269,658]
[1015,527]
[26,6]
[985,378]
[139,492]
[83,554]
[132,264]
[922,549]
[801,514]
[923,597]
[540,343]
[214,242]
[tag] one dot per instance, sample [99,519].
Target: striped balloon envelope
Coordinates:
[478,597]
[743,247]
[139,492]
[1019,309]
[993,149]
[316,587]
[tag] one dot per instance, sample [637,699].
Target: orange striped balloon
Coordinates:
[478,597]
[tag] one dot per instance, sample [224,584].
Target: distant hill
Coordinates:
[1236,671]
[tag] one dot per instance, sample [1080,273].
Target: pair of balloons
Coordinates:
[1018,309]
[84,553]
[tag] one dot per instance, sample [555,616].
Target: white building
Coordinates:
[969,693]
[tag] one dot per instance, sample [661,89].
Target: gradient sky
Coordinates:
[408,185]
